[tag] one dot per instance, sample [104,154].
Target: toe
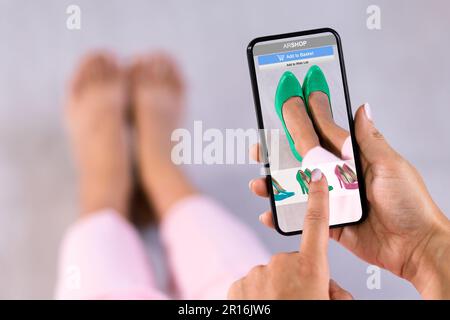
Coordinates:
[156,69]
[96,67]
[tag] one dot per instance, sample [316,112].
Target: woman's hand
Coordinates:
[405,231]
[298,275]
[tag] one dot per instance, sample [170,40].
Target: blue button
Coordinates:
[296,55]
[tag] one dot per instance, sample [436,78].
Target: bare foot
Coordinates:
[96,111]
[332,135]
[299,125]
[157,98]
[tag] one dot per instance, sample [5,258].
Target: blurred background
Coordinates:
[403,70]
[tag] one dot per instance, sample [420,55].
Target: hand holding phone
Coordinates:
[407,232]
[303,109]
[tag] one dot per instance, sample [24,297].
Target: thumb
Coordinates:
[371,142]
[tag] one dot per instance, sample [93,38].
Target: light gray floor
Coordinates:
[403,70]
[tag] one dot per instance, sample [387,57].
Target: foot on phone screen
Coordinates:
[299,125]
[332,135]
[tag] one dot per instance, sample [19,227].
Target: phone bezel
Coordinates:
[254,82]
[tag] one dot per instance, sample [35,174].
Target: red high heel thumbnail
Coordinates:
[346,180]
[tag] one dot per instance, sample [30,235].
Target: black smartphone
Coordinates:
[306,122]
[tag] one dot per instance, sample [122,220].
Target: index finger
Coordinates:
[316,224]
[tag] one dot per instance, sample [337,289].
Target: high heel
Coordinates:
[349,171]
[303,180]
[288,87]
[315,81]
[308,173]
[347,180]
[279,192]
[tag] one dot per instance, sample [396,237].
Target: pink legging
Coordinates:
[103,256]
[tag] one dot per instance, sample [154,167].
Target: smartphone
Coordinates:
[306,122]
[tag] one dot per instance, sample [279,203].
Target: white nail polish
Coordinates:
[368,111]
[316,175]
[250,184]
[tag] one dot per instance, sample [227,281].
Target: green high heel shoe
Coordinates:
[315,81]
[308,173]
[304,179]
[279,192]
[288,87]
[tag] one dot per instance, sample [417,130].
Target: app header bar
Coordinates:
[293,44]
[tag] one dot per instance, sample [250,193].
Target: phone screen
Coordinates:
[303,107]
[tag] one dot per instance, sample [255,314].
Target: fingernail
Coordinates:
[316,175]
[260,218]
[250,184]
[368,111]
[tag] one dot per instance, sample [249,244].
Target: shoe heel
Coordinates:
[300,181]
[338,175]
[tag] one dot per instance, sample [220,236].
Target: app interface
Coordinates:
[305,116]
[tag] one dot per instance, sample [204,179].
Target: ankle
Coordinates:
[95,202]
[98,194]
[303,146]
[165,186]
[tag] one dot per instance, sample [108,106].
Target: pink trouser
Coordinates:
[318,155]
[103,256]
